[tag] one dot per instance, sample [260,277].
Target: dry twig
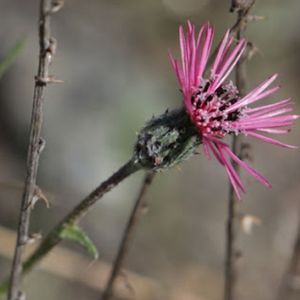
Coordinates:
[242,7]
[36,144]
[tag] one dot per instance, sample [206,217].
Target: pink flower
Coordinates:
[214,105]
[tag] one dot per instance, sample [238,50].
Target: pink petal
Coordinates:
[220,53]
[228,65]
[225,55]
[267,108]
[206,149]
[265,124]
[175,68]
[275,131]
[249,169]
[252,95]
[197,73]
[233,176]
[183,51]
[209,33]
[268,115]
[278,121]
[233,183]
[230,169]
[216,154]
[270,140]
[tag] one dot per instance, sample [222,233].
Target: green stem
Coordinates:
[54,237]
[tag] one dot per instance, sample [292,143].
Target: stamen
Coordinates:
[208,114]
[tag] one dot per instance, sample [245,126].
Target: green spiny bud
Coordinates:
[166,141]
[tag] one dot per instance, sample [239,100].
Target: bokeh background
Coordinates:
[112,56]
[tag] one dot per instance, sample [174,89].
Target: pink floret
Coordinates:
[214,105]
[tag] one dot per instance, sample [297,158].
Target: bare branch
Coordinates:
[243,8]
[47,50]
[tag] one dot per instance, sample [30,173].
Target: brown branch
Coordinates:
[243,9]
[47,49]
[127,235]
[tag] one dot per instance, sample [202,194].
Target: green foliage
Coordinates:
[10,57]
[75,233]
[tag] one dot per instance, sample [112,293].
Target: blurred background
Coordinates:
[112,56]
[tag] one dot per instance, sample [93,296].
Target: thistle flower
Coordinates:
[214,105]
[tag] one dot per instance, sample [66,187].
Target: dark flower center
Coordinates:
[208,109]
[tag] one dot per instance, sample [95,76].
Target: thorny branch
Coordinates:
[47,50]
[135,215]
[242,7]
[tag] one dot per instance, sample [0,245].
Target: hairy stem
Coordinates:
[54,237]
[127,235]
[35,146]
[240,77]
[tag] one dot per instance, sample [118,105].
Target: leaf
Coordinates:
[10,57]
[75,233]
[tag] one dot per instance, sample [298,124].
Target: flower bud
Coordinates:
[166,140]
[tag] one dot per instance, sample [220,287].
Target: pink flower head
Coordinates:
[214,105]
